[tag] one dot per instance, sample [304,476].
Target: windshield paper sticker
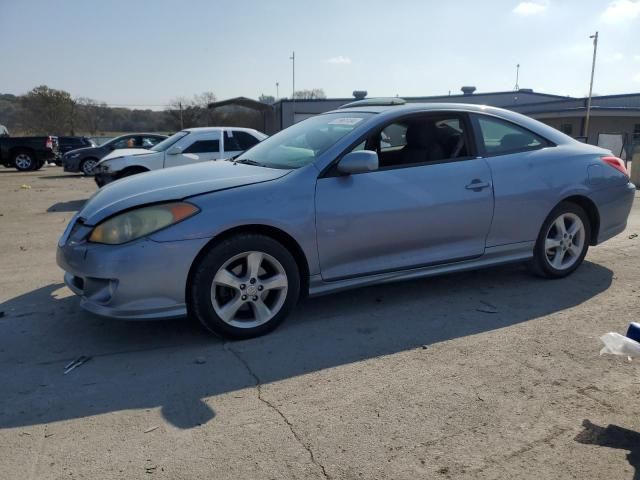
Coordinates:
[348,121]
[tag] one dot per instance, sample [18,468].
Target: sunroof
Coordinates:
[375,102]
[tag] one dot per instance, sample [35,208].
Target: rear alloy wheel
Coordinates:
[24,161]
[245,286]
[88,166]
[563,242]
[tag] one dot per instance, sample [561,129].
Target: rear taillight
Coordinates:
[49,143]
[616,163]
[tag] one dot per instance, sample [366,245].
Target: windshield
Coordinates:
[300,144]
[167,142]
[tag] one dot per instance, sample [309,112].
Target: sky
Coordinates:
[143,53]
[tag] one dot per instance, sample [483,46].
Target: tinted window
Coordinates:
[231,143]
[148,142]
[244,139]
[128,142]
[204,146]
[504,137]
[417,141]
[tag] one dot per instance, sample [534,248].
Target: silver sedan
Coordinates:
[357,196]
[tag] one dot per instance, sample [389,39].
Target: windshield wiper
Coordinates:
[247,161]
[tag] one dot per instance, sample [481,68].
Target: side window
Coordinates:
[203,146]
[231,143]
[123,143]
[393,137]
[148,142]
[421,140]
[246,140]
[501,137]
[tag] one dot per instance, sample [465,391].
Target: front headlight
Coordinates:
[140,222]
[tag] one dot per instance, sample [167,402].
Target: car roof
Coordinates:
[215,129]
[392,111]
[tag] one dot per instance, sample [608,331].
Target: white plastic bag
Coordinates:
[617,344]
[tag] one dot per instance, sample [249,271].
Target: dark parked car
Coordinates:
[85,159]
[66,144]
[27,153]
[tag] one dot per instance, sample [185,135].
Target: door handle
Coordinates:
[478,185]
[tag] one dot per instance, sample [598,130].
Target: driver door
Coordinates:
[410,212]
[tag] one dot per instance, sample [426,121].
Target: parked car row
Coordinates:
[85,159]
[188,146]
[370,193]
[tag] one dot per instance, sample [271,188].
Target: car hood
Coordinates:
[126,152]
[84,151]
[174,183]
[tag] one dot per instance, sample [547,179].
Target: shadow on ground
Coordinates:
[70,206]
[613,436]
[177,366]
[63,175]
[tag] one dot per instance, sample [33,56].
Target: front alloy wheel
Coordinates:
[249,289]
[244,286]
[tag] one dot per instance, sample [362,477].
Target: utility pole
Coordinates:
[293,70]
[181,121]
[585,133]
[517,87]
[277,90]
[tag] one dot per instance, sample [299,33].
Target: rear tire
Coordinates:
[563,242]
[24,160]
[244,287]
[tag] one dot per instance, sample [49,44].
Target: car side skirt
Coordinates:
[493,256]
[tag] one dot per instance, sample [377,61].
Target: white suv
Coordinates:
[187,146]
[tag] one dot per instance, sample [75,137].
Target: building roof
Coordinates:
[242,102]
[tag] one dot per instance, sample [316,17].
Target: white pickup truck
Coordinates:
[183,148]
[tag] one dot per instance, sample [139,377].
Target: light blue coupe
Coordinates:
[357,196]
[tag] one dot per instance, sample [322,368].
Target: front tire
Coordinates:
[563,241]
[244,287]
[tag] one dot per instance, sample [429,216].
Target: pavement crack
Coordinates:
[296,435]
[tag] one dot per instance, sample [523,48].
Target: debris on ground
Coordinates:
[488,308]
[617,344]
[23,249]
[149,430]
[76,363]
[200,360]
[24,186]
[632,236]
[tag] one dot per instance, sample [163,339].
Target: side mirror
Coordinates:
[358,162]
[175,150]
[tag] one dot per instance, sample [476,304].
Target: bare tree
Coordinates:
[91,114]
[269,99]
[314,93]
[194,112]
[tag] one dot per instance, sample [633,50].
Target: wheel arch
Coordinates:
[133,169]
[591,210]
[13,151]
[267,230]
